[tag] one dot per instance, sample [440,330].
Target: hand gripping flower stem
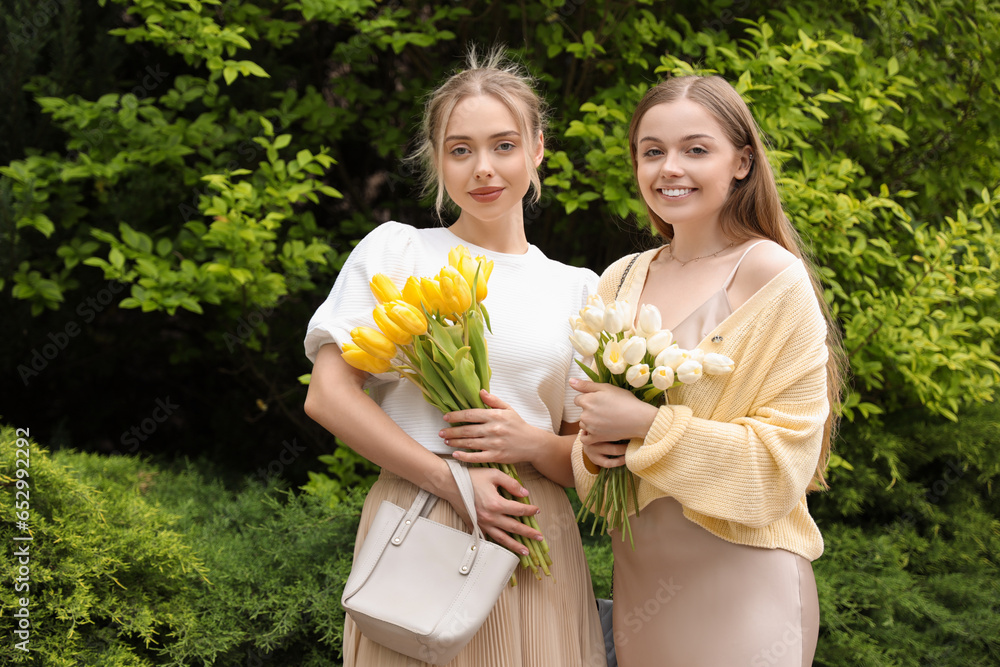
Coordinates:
[433,333]
[644,361]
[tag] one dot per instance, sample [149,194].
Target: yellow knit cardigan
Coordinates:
[737,451]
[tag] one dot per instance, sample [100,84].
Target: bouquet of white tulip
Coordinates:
[644,359]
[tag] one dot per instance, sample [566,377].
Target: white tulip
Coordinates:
[634,349]
[672,356]
[615,319]
[649,320]
[613,359]
[628,314]
[689,372]
[659,341]
[593,316]
[637,376]
[718,364]
[583,342]
[697,354]
[663,377]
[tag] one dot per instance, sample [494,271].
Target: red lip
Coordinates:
[486,195]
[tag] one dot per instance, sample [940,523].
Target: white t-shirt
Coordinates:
[530,300]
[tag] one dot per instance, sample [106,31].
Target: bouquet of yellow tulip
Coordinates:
[433,333]
[622,355]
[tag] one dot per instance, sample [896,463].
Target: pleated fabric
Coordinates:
[547,622]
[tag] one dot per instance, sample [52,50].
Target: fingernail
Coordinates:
[447,418]
[524,552]
[539,538]
[447,441]
[524,491]
[441,434]
[573,382]
[538,511]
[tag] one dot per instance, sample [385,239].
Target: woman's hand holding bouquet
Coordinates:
[433,333]
[643,359]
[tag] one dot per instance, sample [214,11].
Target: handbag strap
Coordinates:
[628,268]
[425,501]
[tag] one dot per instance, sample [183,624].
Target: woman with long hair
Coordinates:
[721,570]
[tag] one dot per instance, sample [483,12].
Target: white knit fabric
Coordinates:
[530,301]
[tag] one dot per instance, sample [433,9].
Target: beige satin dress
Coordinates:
[686,598]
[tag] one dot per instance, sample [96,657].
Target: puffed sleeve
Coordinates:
[390,249]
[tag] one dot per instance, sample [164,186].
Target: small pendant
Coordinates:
[717,339]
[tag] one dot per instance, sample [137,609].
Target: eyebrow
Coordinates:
[687,138]
[496,135]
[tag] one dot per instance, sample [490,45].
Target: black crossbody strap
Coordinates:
[625,275]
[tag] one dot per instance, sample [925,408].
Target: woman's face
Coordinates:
[484,167]
[685,163]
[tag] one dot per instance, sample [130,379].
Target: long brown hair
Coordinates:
[752,210]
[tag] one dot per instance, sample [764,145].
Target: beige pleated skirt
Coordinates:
[551,622]
[686,598]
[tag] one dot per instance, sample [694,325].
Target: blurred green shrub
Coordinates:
[133,564]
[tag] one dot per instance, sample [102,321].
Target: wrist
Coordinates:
[645,417]
[440,481]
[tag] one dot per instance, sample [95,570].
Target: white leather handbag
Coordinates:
[421,588]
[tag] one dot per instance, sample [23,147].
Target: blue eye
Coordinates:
[653,152]
[506,146]
[698,150]
[460,150]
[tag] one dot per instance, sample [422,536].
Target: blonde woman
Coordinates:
[721,572]
[482,144]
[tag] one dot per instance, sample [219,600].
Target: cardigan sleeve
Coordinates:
[749,457]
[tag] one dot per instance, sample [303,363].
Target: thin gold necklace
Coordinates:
[683,263]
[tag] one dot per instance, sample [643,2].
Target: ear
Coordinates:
[539,151]
[746,161]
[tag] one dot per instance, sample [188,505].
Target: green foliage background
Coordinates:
[181,180]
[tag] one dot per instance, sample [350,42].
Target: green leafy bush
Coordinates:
[107,570]
[133,564]
[910,575]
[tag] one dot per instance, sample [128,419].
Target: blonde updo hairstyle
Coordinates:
[752,210]
[495,75]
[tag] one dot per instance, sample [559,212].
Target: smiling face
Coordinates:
[685,163]
[486,162]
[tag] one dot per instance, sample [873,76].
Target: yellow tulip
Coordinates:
[388,327]
[468,267]
[373,342]
[455,289]
[406,317]
[457,254]
[363,361]
[411,292]
[485,268]
[433,298]
[383,288]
